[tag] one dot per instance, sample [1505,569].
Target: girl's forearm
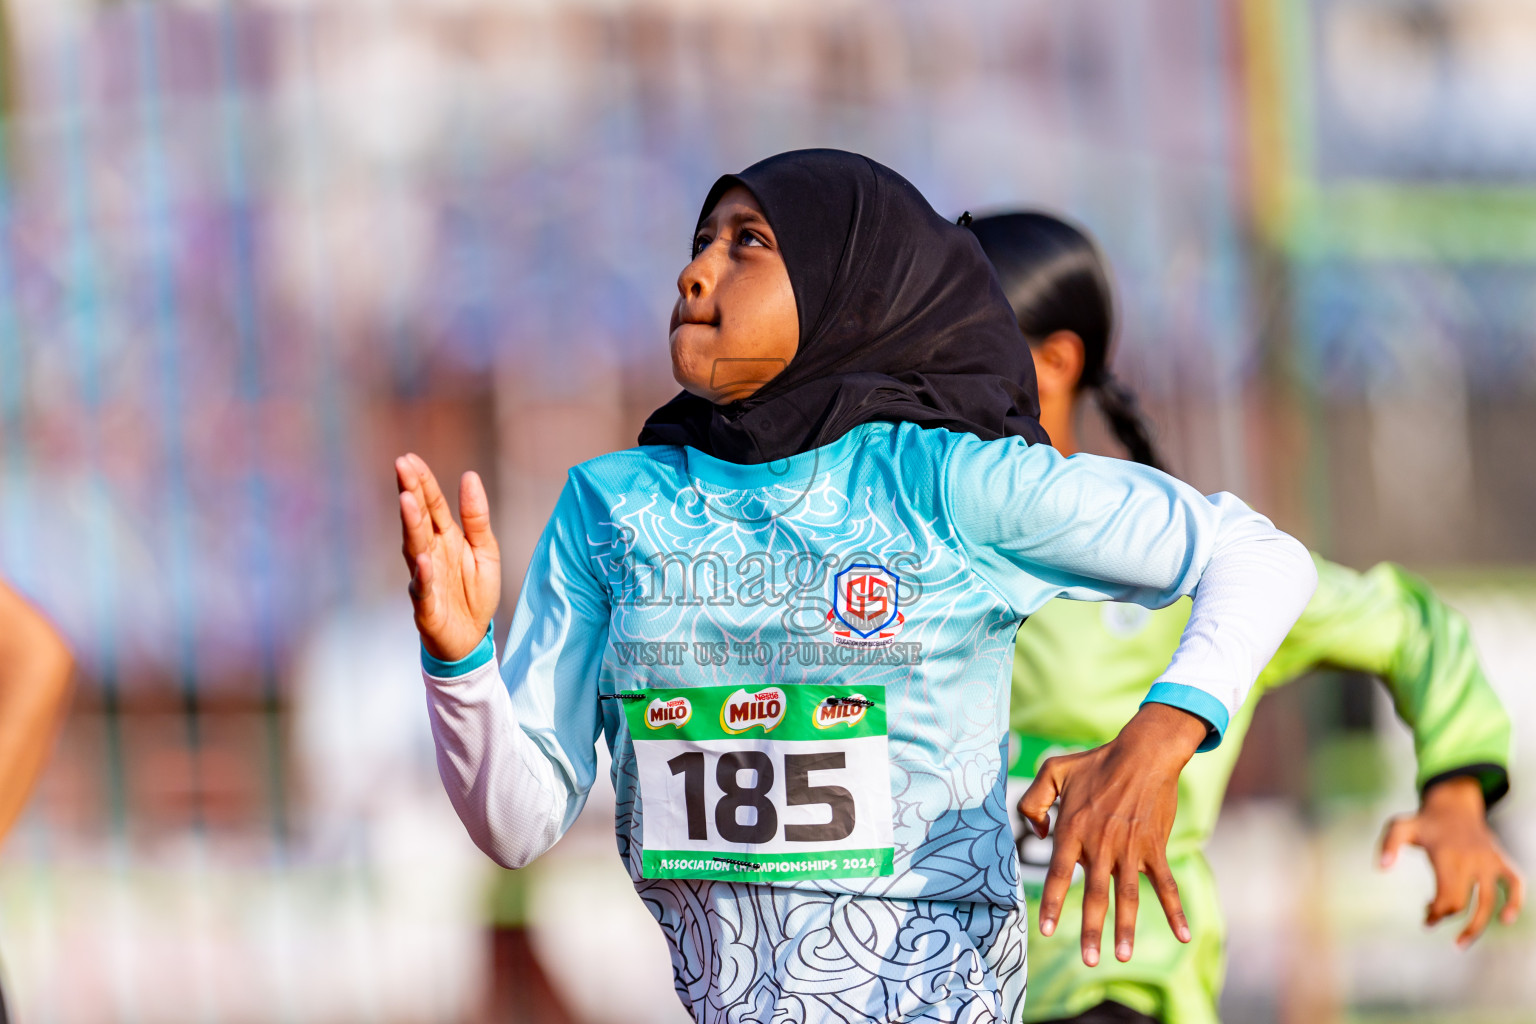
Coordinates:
[508,794]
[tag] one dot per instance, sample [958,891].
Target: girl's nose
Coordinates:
[698,277]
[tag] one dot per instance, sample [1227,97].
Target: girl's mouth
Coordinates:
[685,312]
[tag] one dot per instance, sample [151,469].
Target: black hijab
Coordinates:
[901,319]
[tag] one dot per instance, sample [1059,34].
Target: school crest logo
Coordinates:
[866,608]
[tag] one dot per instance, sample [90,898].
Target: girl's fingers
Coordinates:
[1167,889]
[408,479]
[423,593]
[1095,906]
[1398,832]
[1486,898]
[1127,896]
[1035,804]
[1452,890]
[1058,879]
[416,527]
[1514,892]
[432,496]
[475,511]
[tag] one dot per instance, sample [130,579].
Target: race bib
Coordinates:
[764,784]
[1025,755]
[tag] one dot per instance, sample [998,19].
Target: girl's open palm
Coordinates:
[455,574]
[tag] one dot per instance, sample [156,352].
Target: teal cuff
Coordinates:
[1198,703]
[485,651]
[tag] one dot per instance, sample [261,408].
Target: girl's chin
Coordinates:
[690,369]
[701,389]
[690,382]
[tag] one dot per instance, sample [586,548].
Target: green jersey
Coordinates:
[1080,672]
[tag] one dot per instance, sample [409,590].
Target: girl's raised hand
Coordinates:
[455,574]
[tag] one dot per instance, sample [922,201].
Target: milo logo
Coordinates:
[847,710]
[661,713]
[742,710]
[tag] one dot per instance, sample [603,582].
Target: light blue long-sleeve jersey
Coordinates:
[662,567]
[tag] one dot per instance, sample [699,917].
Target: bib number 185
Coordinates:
[783,782]
[751,801]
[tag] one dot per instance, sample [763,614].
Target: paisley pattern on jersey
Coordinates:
[668,552]
[699,563]
[755,954]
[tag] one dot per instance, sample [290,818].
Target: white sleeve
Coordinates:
[506,791]
[1255,585]
[1039,526]
[516,748]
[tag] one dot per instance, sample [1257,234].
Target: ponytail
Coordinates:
[1056,279]
[1119,405]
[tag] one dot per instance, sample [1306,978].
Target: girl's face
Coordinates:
[735,326]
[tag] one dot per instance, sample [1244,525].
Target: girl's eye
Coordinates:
[750,237]
[699,245]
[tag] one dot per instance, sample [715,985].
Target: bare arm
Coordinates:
[35,670]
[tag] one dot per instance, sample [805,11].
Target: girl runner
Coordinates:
[1079,672]
[790,613]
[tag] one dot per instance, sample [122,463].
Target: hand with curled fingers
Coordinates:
[1117,807]
[1452,828]
[455,573]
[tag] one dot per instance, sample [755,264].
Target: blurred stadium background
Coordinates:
[251,250]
